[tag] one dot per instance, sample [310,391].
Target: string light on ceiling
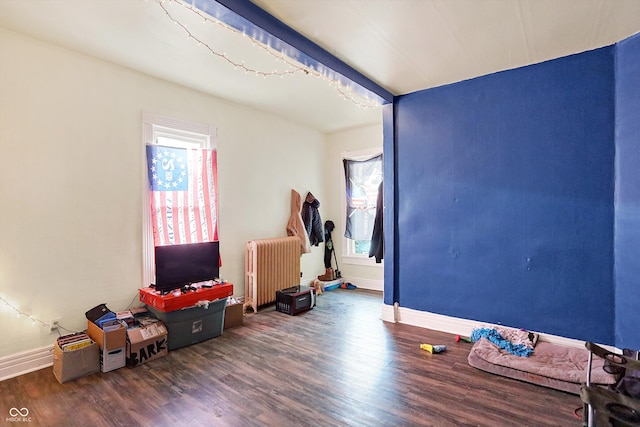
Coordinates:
[345,91]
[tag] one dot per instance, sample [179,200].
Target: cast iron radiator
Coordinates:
[270,265]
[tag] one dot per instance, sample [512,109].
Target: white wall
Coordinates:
[363,138]
[71,165]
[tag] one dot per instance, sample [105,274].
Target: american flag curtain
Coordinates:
[184,194]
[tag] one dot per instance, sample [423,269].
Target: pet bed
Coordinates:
[550,365]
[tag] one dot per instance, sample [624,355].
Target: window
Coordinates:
[363,175]
[172,134]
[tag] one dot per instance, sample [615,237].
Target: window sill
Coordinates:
[361,260]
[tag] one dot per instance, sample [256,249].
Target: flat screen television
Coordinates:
[180,265]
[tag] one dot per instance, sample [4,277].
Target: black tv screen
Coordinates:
[180,265]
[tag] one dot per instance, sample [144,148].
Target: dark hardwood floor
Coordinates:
[336,365]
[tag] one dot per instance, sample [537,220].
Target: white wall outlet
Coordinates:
[54,324]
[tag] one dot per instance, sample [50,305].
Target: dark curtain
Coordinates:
[377,238]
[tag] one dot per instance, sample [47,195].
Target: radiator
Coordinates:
[270,265]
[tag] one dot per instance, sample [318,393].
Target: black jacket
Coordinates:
[311,219]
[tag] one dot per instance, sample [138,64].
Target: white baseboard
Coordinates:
[458,326]
[27,361]
[369,284]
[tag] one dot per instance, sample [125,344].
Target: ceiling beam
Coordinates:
[257,23]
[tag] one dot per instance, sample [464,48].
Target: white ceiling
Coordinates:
[402,45]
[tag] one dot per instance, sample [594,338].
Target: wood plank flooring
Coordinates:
[336,365]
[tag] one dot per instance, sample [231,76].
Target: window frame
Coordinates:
[153,127]
[347,248]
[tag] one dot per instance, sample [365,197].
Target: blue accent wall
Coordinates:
[503,204]
[627,199]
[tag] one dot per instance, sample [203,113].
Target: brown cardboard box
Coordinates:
[69,365]
[146,343]
[110,340]
[233,315]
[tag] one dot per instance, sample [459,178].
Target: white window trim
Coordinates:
[154,125]
[346,255]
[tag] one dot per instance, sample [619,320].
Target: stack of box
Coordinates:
[111,339]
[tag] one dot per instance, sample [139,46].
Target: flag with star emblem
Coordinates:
[183,184]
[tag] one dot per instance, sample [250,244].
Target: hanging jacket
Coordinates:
[295,226]
[312,220]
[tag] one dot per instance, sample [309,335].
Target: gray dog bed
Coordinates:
[550,365]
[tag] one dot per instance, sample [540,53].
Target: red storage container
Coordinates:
[176,300]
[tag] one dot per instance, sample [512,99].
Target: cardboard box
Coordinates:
[193,325]
[69,365]
[233,315]
[110,360]
[146,343]
[111,339]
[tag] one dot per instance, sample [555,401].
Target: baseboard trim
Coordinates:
[458,326]
[27,361]
[369,284]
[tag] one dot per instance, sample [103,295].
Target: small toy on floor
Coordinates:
[317,285]
[248,304]
[433,348]
[348,286]
[463,339]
